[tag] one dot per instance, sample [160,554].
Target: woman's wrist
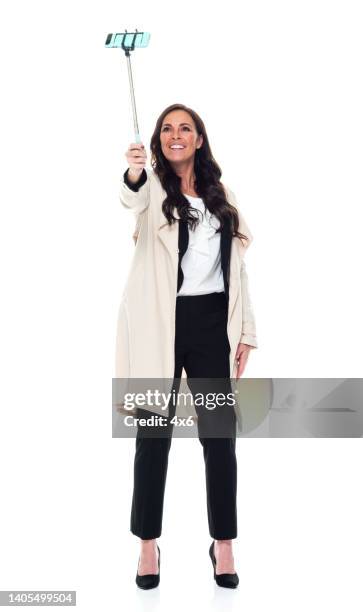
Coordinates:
[134,175]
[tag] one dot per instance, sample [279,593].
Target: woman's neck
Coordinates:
[187,178]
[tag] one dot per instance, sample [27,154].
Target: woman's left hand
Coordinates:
[243,350]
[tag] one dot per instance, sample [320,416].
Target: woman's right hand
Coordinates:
[136,159]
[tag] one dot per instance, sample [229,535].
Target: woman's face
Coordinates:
[179,138]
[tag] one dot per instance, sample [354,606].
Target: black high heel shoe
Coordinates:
[149,581]
[224,580]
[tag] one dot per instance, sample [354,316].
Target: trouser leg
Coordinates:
[221,485]
[150,470]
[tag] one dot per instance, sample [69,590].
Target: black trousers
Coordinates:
[202,348]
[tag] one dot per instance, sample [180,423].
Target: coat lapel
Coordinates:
[183,242]
[226,241]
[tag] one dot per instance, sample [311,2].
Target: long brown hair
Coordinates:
[207,184]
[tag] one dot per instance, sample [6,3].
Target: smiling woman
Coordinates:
[196,317]
[179,141]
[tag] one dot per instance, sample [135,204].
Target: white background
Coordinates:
[279,87]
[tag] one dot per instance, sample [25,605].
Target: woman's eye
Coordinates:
[185,127]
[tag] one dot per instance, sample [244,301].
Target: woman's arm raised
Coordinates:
[135,188]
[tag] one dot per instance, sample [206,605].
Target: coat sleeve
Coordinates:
[248,332]
[135,196]
[248,335]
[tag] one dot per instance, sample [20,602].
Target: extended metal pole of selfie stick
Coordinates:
[128,41]
[132,94]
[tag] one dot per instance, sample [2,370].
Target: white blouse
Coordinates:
[201,263]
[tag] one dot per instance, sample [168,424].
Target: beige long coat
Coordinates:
[146,321]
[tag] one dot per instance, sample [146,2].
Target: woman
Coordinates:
[186,305]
